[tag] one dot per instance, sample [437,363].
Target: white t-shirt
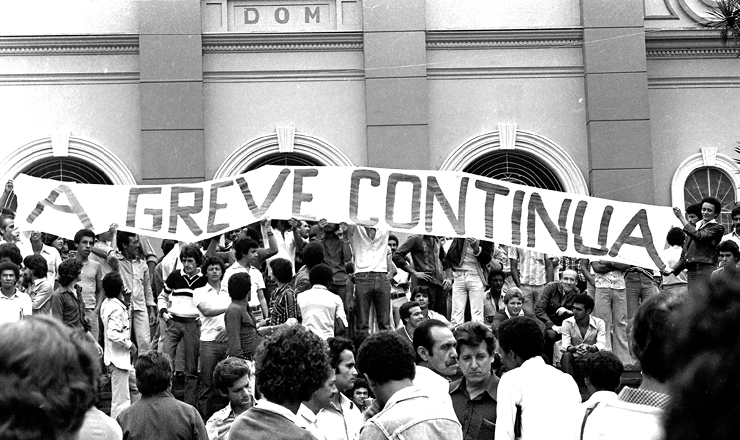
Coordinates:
[319,308]
[255,276]
[16,307]
[211,325]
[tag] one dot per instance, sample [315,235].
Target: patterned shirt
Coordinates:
[531,264]
[177,295]
[284,305]
[219,424]
[644,397]
[609,280]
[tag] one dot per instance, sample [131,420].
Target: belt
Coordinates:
[367,274]
[398,295]
[183,319]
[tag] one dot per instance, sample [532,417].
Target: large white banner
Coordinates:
[442,203]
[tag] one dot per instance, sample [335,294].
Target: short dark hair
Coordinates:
[291,365]
[37,264]
[735,211]
[472,334]
[694,209]
[84,233]
[228,372]
[123,238]
[282,269]
[384,357]
[213,261]
[423,336]
[240,286]
[587,301]
[425,290]
[604,370]
[153,372]
[191,251]
[242,245]
[49,375]
[729,246]
[313,254]
[320,274]
[652,330]
[717,204]
[69,270]
[393,237]
[112,284]
[337,345]
[11,252]
[405,310]
[495,273]
[522,335]
[675,237]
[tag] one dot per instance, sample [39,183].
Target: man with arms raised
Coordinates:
[387,363]
[341,420]
[534,399]
[474,396]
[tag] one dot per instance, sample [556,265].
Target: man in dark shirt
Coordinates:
[474,396]
[554,305]
[158,415]
[427,254]
[66,301]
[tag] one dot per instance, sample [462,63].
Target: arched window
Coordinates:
[711,182]
[285,159]
[516,167]
[68,169]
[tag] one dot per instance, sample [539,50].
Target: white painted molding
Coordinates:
[550,153]
[507,136]
[99,156]
[259,148]
[286,138]
[60,142]
[695,161]
[709,156]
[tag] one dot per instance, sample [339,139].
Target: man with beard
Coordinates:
[341,419]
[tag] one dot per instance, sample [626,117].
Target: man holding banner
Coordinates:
[427,254]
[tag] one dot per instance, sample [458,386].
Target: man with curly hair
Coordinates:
[290,365]
[387,362]
[67,303]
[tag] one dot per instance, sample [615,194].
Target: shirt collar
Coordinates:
[491,389]
[13,296]
[277,409]
[644,397]
[521,312]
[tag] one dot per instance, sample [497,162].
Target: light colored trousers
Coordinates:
[123,390]
[467,285]
[611,306]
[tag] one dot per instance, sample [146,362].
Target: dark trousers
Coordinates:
[372,289]
[570,365]
[210,400]
[551,337]
[698,276]
[343,291]
[190,333]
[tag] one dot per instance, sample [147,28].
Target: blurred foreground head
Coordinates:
[705,360]
[48,379]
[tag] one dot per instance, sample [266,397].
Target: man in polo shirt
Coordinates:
[177,308]
[135,274]
[92,279]
[248,261]
[321,309]
[14,304]
[474,396]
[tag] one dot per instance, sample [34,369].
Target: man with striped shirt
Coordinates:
[177,308]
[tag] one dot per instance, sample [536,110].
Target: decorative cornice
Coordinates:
[70,45]
[506,38]
[288,42]
[504,72]
[283,75]
[687,43]
[715,82]
[28,79]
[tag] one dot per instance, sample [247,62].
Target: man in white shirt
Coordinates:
[248,260]
[582,334]
[603,372]
[372,286]
[309,410]
[320,308]
[670,256]
[734,234]
[436,360]
[533,398]
[92,279]
[14,304]
[341,419]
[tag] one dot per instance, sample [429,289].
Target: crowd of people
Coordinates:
[293,330]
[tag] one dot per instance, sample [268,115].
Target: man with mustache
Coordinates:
[436,360]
